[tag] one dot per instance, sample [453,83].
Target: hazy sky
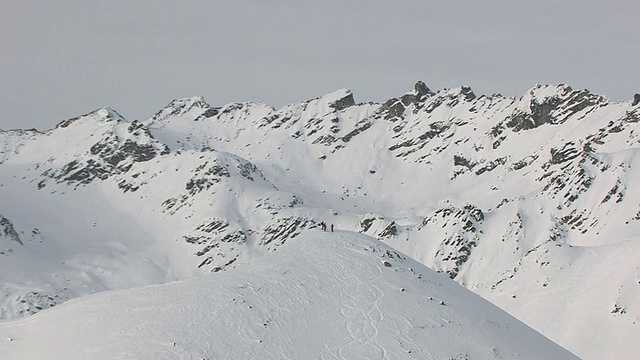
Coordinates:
[63,58]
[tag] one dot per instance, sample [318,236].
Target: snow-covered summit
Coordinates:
[104,114]
[179,107]
[339,99]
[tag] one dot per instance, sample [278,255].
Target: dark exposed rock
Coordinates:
[636,100]
[211,112]
[435,129]
[8,231]
[218,243]
[280,118]
[567,153]
[325,140]
[389,231]
[249,170]
[105,113]
[462,235]
[615,190]
[461,165]
[631,116]
[110,155]
[213,225]
[203,180]
[540,114]
[459,160]
[497,130]
[178,107]
[565,174]
[467,93]
[283,229]
[491,165]
[553,110]
[365,224]
[524,162]
[433,104]
[33,302]
[65,123]
[229,108]
[422,90]
[407,99]
[358,130]
[343,103]
[392,109]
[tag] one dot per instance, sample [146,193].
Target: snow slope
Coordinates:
[324,296]
[586,296]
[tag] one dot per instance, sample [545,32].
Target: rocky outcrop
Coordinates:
[118,149]
[8,232]
[461,234]
[545,106]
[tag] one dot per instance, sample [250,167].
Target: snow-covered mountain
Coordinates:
[324,296]
[528,202]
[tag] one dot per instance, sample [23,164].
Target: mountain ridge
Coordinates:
[492,191]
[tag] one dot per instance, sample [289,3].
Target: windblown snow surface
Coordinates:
[531,202]
[324,296]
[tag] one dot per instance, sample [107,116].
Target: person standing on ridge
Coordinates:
[331,227]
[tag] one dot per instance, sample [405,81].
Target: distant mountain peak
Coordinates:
[102,114]
[107,112]
[182,106]
[421,89]
[339,99]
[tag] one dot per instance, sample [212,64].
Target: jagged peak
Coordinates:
[557,94]
[418,93]
[193,101]
[181,106]
[336,95]
[464,92]
[108,113]
[549,104]
[421,89]
[541,92]
[418,98]
[104,113]
[20,131]
[339,99]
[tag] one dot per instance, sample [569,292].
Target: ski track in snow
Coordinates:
[326,296]
[358,299]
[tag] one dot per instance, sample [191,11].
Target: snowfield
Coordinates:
[327,295]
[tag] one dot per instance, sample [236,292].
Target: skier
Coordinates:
[331,227]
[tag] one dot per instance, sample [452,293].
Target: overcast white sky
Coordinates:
[63,58]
